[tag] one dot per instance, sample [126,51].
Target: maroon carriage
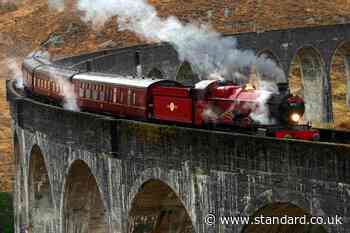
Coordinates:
[120,96]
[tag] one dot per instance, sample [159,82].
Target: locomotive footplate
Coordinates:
[303,132]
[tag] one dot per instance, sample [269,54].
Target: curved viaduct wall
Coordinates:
[80,171]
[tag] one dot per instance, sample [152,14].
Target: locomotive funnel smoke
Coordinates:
[15,70]
[206,50]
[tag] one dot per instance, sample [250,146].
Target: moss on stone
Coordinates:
[151,133]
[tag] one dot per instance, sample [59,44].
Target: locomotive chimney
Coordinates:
[137,58]
[283,88]
[88,66]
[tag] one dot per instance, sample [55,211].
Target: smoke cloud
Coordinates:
[67,88]
[211,55]
[15,71]
[206,50]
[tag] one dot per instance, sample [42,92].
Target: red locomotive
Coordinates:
[208,103]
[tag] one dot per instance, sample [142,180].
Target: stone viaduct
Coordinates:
[312,49]
[81,172]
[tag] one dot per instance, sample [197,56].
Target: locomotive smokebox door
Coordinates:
[283,88]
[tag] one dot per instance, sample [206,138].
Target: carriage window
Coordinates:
[94,92]
[106,93]
[110,94]
[81,90]
[129,96]
[114,95]
[88,91]
[102,93]
[121,96]
[134,98]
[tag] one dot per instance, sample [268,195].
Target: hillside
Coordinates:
[25,24]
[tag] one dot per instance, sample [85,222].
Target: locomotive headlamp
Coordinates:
[295,117]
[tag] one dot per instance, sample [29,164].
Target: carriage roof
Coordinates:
[123,80]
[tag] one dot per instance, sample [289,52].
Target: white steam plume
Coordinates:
[69,95]
[15,71]
[206,50]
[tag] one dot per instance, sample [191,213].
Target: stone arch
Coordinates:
[41,207]
[340,85]
[185,74]
[268,54]
[266,60]
[157,208]
[307,77]
[83,206]
[281,209]
[155,73]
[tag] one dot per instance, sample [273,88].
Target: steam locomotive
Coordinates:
[212,103]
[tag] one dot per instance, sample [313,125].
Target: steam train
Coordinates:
[209,103]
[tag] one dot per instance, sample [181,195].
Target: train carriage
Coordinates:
[122,96]
[44,80]
[28,72]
